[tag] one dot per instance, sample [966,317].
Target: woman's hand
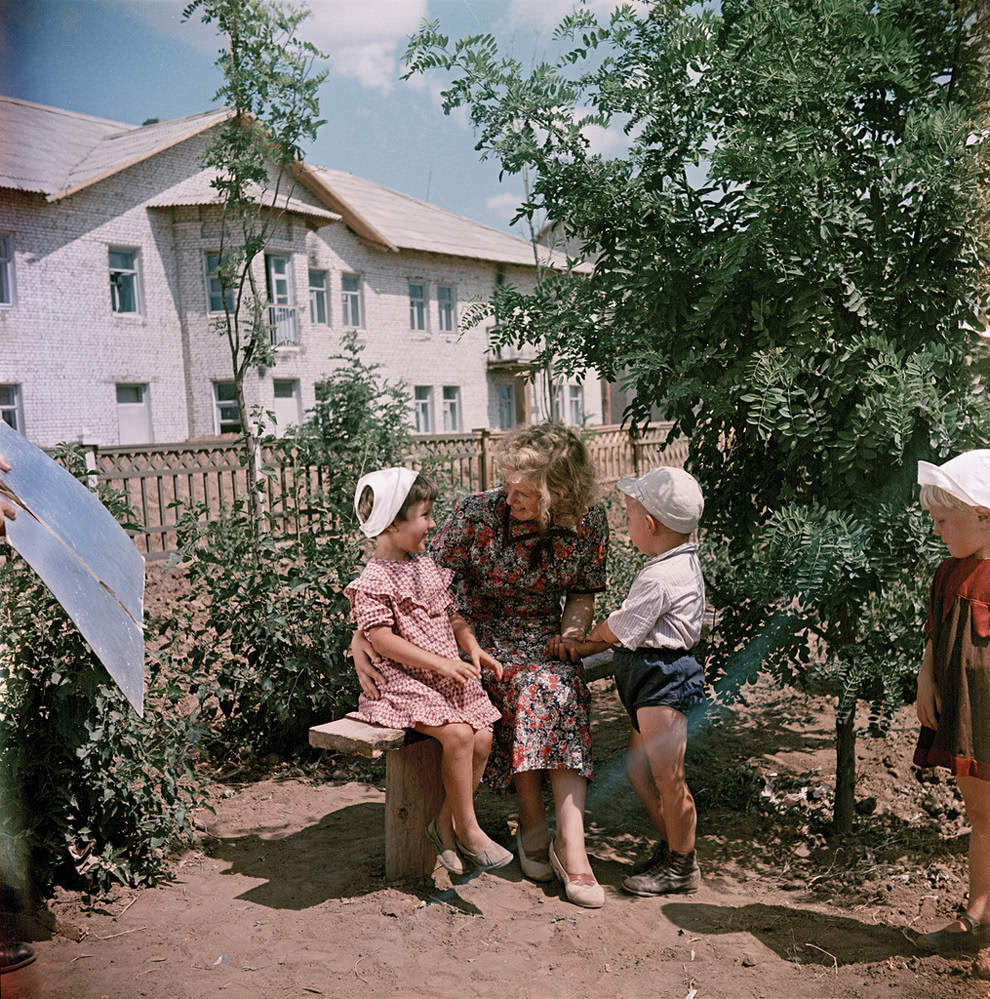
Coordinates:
[365,658]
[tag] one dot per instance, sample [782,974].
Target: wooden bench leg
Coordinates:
[413,793]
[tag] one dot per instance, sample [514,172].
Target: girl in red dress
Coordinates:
[954,682]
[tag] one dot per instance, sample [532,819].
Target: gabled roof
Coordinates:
[410,224]
[198,190]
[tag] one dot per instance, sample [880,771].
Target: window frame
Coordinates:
[16,407]
[423,404]
[7,270]
[447,311]
[317,290]
[450,406]
[218,420]
[575,394]
[135,271]
[211,276]
[350,299]
[144,403]
[418,312]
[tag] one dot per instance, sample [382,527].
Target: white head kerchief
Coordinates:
[967,477]
[391,487]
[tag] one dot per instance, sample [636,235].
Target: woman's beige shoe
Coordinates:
[582,889]
[535,870]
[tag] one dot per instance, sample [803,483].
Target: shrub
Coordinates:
[267,620]
[92,794]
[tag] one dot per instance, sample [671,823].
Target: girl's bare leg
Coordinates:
[569,790]
[457,769]
[532,814]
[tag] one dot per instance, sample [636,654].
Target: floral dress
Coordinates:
[958,627]
[509,582]
[412,598]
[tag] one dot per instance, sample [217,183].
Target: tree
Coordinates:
[270,85]
[790,261]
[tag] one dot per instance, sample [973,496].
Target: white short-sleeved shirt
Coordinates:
[666,604]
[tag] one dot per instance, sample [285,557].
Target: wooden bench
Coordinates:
[413,790]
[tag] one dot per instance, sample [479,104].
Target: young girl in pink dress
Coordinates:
[954,682]
[401,602]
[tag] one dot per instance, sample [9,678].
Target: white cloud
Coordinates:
[503,206]
[371,64]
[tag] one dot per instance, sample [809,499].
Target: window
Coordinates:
[350,300]
[575,403]
[6,269]
[423,396]
[282,311]
[124,281]
[287,408]
[505,397]
[445,307]
[318,311]
[10,407]
[417,306]
[451,409]
[133,415]
[226,416]
[213,290]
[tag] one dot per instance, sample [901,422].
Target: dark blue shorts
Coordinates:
[647,678]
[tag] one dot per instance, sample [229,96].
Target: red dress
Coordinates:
[412,598]
[959,629]
[509,582]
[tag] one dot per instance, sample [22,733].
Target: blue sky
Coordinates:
[129,60]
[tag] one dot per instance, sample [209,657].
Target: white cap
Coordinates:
[967,477]
[670,494]
[390,487]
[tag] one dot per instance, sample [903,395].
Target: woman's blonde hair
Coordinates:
[937,496]
[554,458]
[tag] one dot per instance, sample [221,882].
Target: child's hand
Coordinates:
[568,649]
[459,670]
[489,662]
[928,705]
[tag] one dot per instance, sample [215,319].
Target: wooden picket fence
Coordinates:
[158,480]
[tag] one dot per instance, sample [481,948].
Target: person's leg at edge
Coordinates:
[976,794]
[663,736]
[569,791]
[457,768]
[532,814]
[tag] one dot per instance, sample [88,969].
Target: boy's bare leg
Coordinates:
[641,777]
[663,737]
[976,794]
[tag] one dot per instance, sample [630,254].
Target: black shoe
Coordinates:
[660,855]
[975,937]
[679,874]
[15,955]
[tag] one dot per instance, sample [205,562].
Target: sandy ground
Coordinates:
[284,896]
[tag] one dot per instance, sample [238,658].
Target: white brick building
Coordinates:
[106,237]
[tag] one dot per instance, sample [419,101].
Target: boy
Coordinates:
[657,678]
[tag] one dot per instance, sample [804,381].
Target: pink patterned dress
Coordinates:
[412,598]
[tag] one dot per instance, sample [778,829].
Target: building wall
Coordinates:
[67,350]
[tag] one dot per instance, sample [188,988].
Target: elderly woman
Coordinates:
[528,559]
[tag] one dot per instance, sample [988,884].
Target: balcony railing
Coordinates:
[284,327]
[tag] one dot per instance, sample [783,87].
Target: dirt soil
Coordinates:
[284,894]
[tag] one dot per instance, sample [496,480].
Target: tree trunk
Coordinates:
[253,469]
[845,772]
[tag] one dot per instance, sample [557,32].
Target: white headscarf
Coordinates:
[391,487]
[967,477]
